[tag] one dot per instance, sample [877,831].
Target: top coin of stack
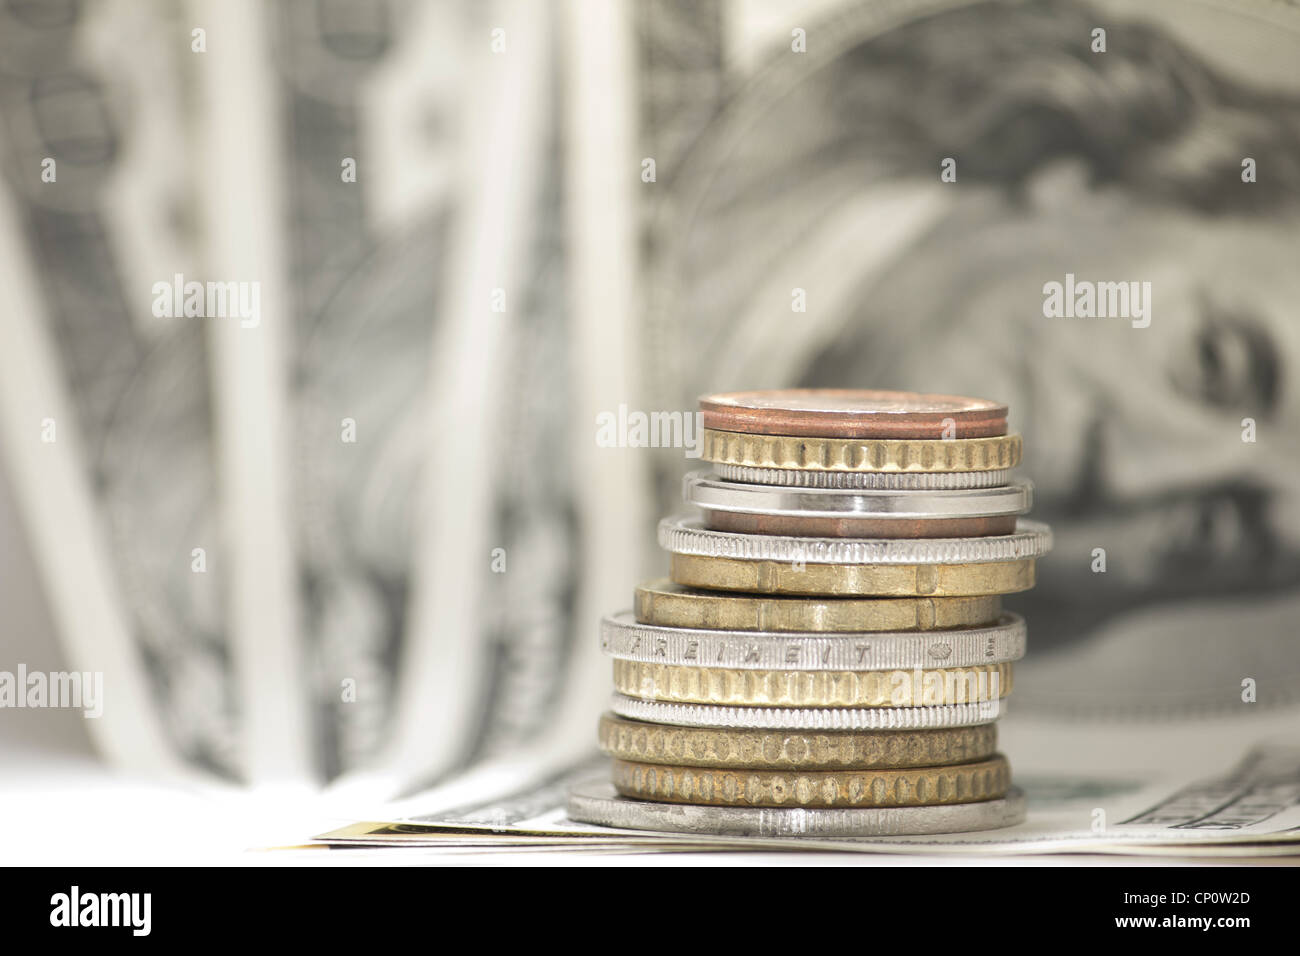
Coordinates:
[830,654]
[852,413]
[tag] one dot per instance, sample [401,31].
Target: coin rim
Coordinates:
[878,455]
[659,688]
[880,480]
[687,534]
[707,491]
[1009,628]
[996,763]
[597,803]
[726,411]
[662,591]
[709,572]
[808,718]
[753,739]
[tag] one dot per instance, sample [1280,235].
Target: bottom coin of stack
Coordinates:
[793,679]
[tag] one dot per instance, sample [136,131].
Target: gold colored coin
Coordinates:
[920,787]
[882,580]
[643,742]
[856,454]
[761,688]
[671,605]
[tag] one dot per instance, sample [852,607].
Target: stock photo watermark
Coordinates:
[1085,299]
[638,429]
[956,685]
[208,300]
[64,690]
[130,910]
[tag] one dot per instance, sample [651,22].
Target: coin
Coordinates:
[669,605]
[896,481]
[856,513]
[803,453]
[638,741]
[830,652]
[623,638]
[985,779]
[709,492]
[816,527]
[889,580]
[598,803]
[735,687]
[807,718]
[853,413]
[687,535]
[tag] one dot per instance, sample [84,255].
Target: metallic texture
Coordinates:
[911,787]
[711,493]
[785,688]
[897,481]
[641,742]
[866,455]
[807,718]
[623,638]
[881,580]
[666,604]
[853,413]
[687,535]
[599,803]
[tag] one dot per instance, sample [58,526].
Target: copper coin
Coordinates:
[824,527]
[852,413]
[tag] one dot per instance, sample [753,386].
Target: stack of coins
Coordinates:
[830,655]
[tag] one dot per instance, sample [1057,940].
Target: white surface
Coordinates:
[70,811]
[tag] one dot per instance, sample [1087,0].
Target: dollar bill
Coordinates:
[241,161]
[362,279]
[436,520]
[107,413]
[811,237]
[1232,793]
[448,584]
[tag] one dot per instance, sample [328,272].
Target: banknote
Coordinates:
[369,532]
[1186,804]
[789,158]
[361,280]
[108,414]
[242,165]
[336,497]
[874,202]
[436,517]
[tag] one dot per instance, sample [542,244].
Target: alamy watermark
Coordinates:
[637,429]
[55,689]
[75,908]
[955,685]
[1085,299]
[208,300]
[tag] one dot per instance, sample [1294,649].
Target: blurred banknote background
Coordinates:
[357,525]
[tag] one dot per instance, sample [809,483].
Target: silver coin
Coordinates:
[708,491]
[687,535]
[886,480]
[597,802]
[622,637]
[808,718]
